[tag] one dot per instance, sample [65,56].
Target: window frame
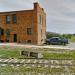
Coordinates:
[29,31]
[7,19]
[14,19]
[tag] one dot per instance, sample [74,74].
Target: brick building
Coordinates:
[27,26]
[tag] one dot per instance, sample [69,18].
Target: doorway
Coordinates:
[15,37]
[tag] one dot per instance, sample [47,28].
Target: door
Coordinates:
[15,37]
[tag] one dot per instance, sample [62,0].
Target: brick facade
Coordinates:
[27,26]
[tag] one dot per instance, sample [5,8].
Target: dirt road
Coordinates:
[69,46]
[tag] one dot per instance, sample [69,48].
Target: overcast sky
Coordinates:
[60,13]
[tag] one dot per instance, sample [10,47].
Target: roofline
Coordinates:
[15,11]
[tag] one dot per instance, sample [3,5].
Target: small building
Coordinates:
[26,26]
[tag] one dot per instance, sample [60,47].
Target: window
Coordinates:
[40,19]
[1,31]
[7,31]
[14,20]
[29,31]
[7,19]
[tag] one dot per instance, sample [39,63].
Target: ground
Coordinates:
[57,60]
[68,46]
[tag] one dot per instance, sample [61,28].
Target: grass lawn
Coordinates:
[57,56]
[66,55]
[38,70]
[10,52]
[72,39]
[14,52]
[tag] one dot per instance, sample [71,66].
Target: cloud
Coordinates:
[60,16]
[11,5]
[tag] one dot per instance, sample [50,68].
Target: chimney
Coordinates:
[36,5]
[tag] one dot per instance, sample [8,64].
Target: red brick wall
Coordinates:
[25,19]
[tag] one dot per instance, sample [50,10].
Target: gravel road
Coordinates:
[69,46]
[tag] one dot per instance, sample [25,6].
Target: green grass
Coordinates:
[14,52]
[23,69]
[70,55]
[51,49]
[8,70]
[9,52]
[57,55]
[72,39]
[72,69]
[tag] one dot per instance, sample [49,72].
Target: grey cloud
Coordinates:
[61,16]
[15,5]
